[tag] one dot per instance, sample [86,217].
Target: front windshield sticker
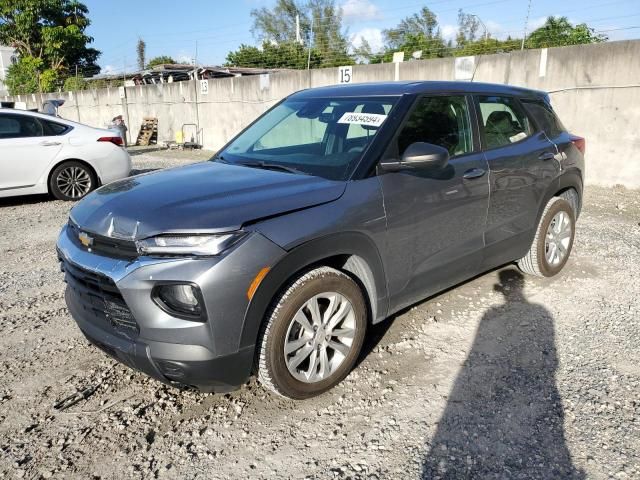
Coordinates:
[371,119]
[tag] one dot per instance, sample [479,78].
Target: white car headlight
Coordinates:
[177,244]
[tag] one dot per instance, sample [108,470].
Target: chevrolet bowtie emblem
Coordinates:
[85,239]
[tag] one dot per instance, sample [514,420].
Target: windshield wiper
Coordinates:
[272,166]
[219,158]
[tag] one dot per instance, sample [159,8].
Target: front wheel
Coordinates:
[553,241]
[72,181]
[313,335]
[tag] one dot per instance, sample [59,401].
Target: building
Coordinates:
[7,57]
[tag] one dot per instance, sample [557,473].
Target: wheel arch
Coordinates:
[353,253]
[570,179]
[60,162]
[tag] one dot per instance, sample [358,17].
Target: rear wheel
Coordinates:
[72,181]
[553,241]
[313,334]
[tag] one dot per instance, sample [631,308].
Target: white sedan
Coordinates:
[44,154]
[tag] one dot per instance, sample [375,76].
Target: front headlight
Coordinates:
[177,244]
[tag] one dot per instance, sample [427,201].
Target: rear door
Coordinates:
[522,165]
[435,219]
[27,148]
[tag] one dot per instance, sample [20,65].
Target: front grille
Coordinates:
[98,295]
[102,245]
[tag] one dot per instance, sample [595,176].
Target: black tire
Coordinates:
[86,178]
[273,372]
[535,261]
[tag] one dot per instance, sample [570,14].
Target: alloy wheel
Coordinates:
[319,337]
[74,182]
[558,238]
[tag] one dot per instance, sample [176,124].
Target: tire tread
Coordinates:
[264,375]
[529,263]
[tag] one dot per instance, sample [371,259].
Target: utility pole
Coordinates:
[526,24]
[310,43]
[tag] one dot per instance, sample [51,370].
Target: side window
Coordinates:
[544,117]
[440,120]
[503,121]
[53,128]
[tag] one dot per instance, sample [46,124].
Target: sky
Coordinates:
[219,26]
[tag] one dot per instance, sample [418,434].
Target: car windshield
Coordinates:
[318,136]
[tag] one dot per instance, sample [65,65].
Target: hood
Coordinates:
[208,196]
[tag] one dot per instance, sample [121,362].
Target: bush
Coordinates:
[25,77]
[73,84]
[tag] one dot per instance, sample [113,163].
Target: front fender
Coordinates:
[349,244]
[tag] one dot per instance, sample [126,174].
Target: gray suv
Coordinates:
[335,209]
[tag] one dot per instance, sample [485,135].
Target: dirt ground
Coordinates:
[502,377]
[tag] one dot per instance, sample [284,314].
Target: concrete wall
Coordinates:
[594,88]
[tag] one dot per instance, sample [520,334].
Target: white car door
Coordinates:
[25,150]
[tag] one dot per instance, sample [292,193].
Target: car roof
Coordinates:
[43,116]
[414,87]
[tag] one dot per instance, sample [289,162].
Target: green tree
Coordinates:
[27,75]
[141,51]
[559,32]
[468,26]
[161,60]
[417,32]
[51,31]
[363,53]
[278,24]
[423,24]
[73,84]
[329,37]
[288,29]
[271,55]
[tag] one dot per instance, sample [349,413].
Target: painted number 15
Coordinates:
[345,74]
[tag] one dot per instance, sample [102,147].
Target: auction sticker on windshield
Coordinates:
[371,119]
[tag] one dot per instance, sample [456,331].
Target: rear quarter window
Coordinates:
[54,128]
[544,117]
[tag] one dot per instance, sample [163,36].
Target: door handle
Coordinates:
[49,144]
[473,173]
[546,156]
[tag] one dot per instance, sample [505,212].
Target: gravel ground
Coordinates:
[502,377]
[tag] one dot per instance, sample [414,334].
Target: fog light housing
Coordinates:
[183,300]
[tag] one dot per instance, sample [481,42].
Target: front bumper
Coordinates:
[110,300]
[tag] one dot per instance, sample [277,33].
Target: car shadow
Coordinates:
[134,151]
[24,200]
[138,171]
[376,333]
[504,415]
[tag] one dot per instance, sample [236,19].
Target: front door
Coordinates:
[435,219]
[25,150]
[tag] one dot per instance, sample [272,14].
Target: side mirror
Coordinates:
[419,156]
